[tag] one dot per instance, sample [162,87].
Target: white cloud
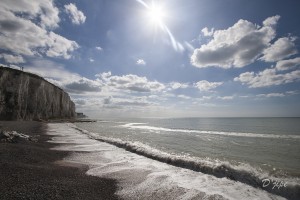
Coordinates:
[207,86]
[104,76]
[245,96]
[206,32]
[60,46]
[288,64]
[140,62]
[282,48]
[271,21]
[12,58]
[127,102]
[91,60]
[79,102]
[271,95]
[134,102]
[82,86]
[58,72]
[44,10]
[113,104]
[130,82]
[226,97]
[16,67]
[25,36]
[183,96]
[22,37]
[75,15]
[177,85]
[292,92]
[204,98]
[69,81]
[99,48]
[11,66]
[236,46]
[268,77]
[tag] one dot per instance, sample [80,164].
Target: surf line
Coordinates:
[223,170]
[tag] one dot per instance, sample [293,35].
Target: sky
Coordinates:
[160,58]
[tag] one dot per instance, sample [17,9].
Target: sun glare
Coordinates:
[156,14]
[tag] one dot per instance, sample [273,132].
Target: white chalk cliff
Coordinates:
[26,96]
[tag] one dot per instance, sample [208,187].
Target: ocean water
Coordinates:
[261,153]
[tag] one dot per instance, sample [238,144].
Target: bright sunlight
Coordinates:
[156,14]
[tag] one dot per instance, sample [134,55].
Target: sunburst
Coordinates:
[156,14]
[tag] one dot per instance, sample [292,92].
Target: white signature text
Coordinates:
[275,183]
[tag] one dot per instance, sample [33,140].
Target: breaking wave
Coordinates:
[242,173]
[143,126]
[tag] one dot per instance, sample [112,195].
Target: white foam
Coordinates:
[143,178]
[236,134]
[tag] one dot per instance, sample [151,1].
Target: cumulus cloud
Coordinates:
[26,35]
[83,85]
[237,46]
[44,10]
[12,58]
[268,77]
[60,46]
[288,64]
[271,21]
[282,48]
[75,15]
[125,101]
[207,33]
[130,82]
[177,85]
[140,62]
[207,86]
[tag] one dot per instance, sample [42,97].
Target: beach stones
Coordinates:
[14,137]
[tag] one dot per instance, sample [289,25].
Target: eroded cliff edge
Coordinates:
[26,96]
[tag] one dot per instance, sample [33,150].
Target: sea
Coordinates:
[190,158]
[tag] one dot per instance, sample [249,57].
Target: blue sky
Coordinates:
[164,58]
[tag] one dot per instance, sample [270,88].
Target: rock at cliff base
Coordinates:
[14,137]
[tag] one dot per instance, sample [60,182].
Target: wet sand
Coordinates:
[30,170]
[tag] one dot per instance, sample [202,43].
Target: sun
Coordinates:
[156,14]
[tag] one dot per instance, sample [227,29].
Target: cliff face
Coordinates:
[25,96]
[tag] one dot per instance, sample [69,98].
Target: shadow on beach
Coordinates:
[29,169]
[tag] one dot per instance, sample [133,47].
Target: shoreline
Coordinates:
[70,163]
[140,177]
[31,170]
